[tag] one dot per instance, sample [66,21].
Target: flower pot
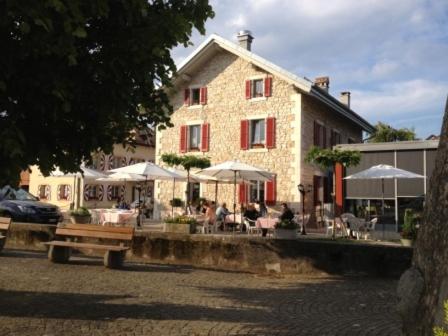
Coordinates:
[407,242]
[77,219]
[285,234]
[179,228]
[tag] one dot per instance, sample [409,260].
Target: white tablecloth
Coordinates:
[266,223]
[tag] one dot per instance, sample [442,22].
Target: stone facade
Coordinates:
[225,76]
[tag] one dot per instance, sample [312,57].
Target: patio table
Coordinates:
[112,216]
[266,223]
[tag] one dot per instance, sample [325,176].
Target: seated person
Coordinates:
[222,212]
[210,214]
[201,208]
[262,209]
[286,214]
[190,209]
[251,213]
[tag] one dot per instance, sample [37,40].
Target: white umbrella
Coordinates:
[122,177]
[149,170]
[87,174]
[236,170]
[382,172]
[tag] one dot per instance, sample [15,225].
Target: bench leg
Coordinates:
[2,243]
[59,254]
[114,259]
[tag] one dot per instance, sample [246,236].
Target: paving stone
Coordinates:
[40,298]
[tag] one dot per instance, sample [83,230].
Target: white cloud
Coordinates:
[391,55]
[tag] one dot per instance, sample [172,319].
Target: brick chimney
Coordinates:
[345,98]
[245,39]
[323,83]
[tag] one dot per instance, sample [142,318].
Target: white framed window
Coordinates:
[257,88]
[194,137]
[257,133]
[195,96]
[64,192]
[94,191]
[115,192]
[256,191]
[44,191]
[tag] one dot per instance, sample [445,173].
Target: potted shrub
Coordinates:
[180,224]
[409,229]
[286,229]
[80,216]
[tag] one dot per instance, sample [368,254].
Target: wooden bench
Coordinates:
[116,237]
[4,227]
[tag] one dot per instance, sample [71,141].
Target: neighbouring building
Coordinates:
[71,191]
[231,104]
[361,196]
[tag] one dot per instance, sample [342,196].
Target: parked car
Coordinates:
[21,206]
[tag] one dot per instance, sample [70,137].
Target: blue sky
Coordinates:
[391,55]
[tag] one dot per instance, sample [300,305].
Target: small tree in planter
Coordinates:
[80,216]
[329,158]
[286,229]
[187,162]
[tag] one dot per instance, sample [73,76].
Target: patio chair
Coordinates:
[250,225]
[370,227]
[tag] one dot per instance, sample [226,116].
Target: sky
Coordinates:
[391,55]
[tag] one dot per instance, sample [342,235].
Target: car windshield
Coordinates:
[8,193]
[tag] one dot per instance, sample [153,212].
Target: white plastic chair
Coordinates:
[370,227]
[250,225]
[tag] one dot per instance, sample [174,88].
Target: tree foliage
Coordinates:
[78,76]
[327,158]
[386,133]
[186,161]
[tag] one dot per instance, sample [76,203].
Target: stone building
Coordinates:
[230,104]
[71,191]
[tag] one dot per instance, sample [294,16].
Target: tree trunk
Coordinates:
[424,287]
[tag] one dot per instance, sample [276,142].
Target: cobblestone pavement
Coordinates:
[84,298]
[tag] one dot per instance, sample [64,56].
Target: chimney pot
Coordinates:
[323,83]
[245,39]
[345,98]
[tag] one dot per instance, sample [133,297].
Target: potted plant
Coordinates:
[409,229]
[180,224]
[286,229]
[80,216]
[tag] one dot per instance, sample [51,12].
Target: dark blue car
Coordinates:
[21,206]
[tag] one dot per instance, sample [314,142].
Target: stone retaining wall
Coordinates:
[258,255]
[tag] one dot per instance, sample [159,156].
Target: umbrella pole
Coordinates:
[382,204]
[216,193]
[172,200]
[234,200]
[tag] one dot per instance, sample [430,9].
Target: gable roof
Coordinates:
[214,42]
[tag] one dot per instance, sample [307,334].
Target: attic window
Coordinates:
[195,96]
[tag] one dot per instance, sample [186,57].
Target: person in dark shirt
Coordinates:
[287,214]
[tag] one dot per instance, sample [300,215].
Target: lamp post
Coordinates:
[301,188]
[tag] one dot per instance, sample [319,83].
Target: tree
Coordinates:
[386,133]
[187,162]
[329,158]
[423,288]
[79,76]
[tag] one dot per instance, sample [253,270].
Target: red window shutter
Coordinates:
[203,95]
[187,97]
[183,138]
[270,196]
[242,193]
[205,136]
[244,134]
[267,86]
[324,141]
[248,96]
[270,132]
[316,134]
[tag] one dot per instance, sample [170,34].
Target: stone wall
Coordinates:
[254,254]
[226,106]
